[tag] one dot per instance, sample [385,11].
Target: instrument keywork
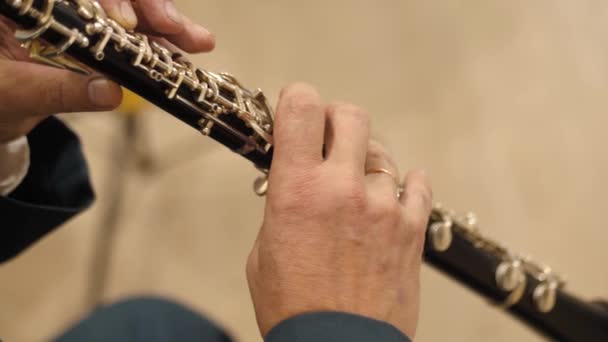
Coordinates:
[223,107]
[77,35]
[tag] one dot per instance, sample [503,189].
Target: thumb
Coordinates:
[28,89]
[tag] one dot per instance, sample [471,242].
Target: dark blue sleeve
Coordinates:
[55,189]
[333,327]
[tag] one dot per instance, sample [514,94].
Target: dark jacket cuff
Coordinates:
[333,327]
[55,189]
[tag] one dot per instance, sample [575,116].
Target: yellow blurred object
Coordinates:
[132,104]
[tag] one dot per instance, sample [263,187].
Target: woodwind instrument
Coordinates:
[77,35]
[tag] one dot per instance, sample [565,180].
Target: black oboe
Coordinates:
[77,35]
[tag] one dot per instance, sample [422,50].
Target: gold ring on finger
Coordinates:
[398,185]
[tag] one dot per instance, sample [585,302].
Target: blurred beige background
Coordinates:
[504,102]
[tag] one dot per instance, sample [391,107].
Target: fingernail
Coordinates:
[128,14]
[100,93]
[172,12]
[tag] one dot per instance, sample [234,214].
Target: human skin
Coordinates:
[30,92]
[335,237]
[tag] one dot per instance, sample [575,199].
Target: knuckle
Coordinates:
[298,193]
[423,194]
[378,152]
[303,103]
[374,155]
[301,97]
[289,206]
[54,95]
[422,185]
[350,194]
[387,210]
[392,207]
